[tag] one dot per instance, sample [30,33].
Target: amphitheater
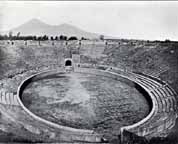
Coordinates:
[160,120]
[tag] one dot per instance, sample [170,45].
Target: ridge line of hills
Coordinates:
[38,28]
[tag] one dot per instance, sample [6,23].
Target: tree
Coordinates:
[10,34]
[65,37]
[52,38]
[73,38]
[167,40]
[45,37]
[34,38]
[18,34]
[101,37]
[62,37]
[83,38]
[3,37]
[56,38]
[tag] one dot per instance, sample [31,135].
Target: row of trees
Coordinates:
[38,38]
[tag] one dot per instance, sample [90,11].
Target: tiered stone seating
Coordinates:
[164,110]
[166,103]
[163,113]
[162,92]
[155,79]
[169,90]
[156,73]
[152,82]
[144,84]
[8,98]
[164,96]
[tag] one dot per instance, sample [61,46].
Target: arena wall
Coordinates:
[159,121]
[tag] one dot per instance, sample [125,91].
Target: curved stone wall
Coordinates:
[73,133]
[164,111]
[160,119]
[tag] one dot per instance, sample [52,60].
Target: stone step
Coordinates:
[144,84]
[149,81]
[3,97]
[15,100]
[162,92]
[169,91]
[8,98]
[161,101]
[150,85]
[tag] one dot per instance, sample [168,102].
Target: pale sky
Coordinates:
[137,20]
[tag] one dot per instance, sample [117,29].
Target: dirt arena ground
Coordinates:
[86,101]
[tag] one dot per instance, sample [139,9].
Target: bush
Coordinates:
[62,37]
[73,38]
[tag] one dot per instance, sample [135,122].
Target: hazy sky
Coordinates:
[143,20]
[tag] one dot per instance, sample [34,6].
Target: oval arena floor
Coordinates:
[86,101]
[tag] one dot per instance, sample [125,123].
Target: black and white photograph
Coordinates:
[89,72]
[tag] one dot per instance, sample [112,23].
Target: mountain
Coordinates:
[37,27]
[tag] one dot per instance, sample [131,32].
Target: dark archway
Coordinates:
[68,63]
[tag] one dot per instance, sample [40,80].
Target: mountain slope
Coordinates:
[37,27]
